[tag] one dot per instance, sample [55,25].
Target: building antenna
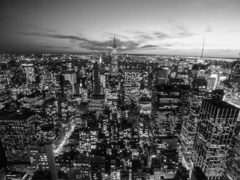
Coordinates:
[203,48]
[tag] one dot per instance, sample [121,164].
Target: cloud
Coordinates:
[209,29]
[161,35]
[149,46]
[104,45]
[96,45]
[218,50]
[56,47]
[182,31]
[148,36]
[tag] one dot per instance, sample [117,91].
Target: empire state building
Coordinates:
[114,57]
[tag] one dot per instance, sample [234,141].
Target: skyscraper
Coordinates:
[188,132]
[16,133]
[162,76]
[215,128]
[96,87]
[114,56]
[166,100]
[233,160]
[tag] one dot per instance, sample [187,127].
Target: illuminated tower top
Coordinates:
[114,51]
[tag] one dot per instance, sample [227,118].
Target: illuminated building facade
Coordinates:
[184,76]
[233,159]
[166,101]
[38,157]
[81,168]
[168,149]
[97,167]
[96,85]
[211,83]
[162,76]
[4,98]
[3,80]
[29,71]
[96,102]
[16,133]
[215,129]
[132,78]
[188,132]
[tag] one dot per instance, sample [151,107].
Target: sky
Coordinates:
[168,27]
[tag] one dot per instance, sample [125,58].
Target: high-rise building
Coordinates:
[3,80]
[233,159]
[169,156]
[114,59]
[188,132]
[38,157]
[96,87]
[166,99]
[4,98]
[215,128]
[81,167]
[29,71]
[211,83]
[97,167]
[17,132]
[162,76]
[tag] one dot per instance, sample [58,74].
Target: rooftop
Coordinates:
[167,87]
[220,103]
[6,115]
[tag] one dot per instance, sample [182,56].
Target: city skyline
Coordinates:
[144,27]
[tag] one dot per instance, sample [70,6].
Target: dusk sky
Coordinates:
[170,27]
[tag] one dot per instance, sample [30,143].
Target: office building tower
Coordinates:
[38,156]
[97,167]
[162,76]
[188,132]
[29,71]
[81,167]
[184,106]
[233,159]
[166,99]
[215,129]
[96,87]
[114,59]
[17,132]
[212,83]
[168,149]
[3,80]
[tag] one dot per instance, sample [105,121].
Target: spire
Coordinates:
[114,43]
[203,48]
